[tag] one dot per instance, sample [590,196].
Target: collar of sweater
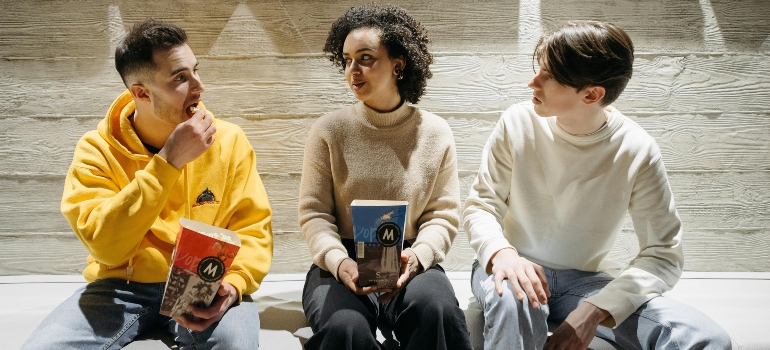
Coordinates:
[614,122]
[384,120]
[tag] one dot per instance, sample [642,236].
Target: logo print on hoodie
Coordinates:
[206,197]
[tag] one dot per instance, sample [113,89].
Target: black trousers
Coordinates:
[425,315]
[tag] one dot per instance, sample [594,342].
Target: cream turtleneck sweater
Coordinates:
[561,201]
[358,153]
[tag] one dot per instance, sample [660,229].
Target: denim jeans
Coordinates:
[661,323]
[108,314]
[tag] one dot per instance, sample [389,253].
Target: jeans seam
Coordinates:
[555,282]
[194,339]
[125,328]
[662,324]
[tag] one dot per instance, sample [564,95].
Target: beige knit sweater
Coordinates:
[358,153]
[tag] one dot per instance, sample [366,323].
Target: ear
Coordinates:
[593,94]
[400,63]
[140,92]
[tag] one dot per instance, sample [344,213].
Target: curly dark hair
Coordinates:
[133,56]
[401,34]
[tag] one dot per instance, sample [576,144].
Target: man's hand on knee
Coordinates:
[526,278]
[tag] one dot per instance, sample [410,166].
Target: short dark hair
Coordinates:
[401,34]
[588,53]
[133,56]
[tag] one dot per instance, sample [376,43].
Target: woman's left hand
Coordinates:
[410,267]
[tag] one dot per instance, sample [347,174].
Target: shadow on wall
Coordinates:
[745,25]
[652,25]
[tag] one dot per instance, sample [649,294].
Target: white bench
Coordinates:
[740,302]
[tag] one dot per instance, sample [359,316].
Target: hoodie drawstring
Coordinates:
[130,269]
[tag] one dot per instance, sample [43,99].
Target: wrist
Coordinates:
[595,314]
[164,154]
[503,252]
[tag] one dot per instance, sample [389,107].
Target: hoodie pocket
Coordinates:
[205,212]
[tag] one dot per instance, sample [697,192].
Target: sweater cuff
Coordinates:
[489,249]
[615,303]
[425,255]
[333,259]
[237,282]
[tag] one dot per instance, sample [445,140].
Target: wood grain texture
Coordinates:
[739,250]
[719,200]
[260,86]
[42,254]
[652,25]
[82,28]
[457,26]
[745,25]
[262,64]
[702,142]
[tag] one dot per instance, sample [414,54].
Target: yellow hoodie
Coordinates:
[125,203]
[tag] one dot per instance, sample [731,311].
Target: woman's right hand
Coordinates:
[348,275]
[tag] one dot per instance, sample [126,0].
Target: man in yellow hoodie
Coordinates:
[159,156]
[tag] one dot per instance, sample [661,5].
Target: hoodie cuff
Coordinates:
[333,259]
[237,282]
[162,170]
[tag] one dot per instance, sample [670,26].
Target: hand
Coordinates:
[578,329]
[205,317]
[524,276]
[189,139]
[348,275]
[410,267]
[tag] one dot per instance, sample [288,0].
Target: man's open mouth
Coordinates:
[191,109]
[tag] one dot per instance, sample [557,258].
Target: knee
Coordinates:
[431,303]
[344,329]
[713,337]
[243,341]
[503,304]
[721,341]
[347,324]
[507,309]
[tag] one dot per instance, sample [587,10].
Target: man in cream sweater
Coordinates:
[557,176]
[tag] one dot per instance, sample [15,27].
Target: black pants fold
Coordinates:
[425,315]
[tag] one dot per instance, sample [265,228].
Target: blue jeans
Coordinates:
[661,323]
[108,314]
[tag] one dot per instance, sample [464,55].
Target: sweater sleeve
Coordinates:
[111,221]
[437,226]
[487,200]
[657,267]
[251,218]
[316,206]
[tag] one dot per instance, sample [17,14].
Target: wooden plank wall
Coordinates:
[701,87]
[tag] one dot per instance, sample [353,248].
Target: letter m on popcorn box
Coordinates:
[202,255]
[379,236]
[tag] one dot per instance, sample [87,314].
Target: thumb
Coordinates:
[223,289]
[353,275]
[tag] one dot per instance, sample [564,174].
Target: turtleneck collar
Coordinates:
[384,120]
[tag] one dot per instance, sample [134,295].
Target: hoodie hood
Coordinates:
[117,129]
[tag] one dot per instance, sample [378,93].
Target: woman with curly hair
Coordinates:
[381,148]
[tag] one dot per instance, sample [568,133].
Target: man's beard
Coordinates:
[166,113]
